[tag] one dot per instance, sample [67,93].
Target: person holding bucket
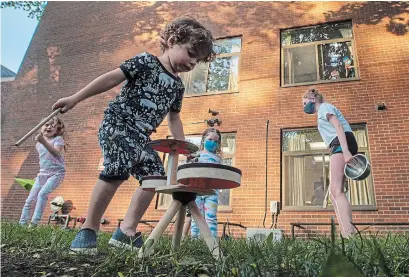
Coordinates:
[338,137]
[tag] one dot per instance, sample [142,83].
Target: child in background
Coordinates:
[50,145]
[210,152]
[338,136]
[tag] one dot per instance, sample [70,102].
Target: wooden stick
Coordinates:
[159,228]
[204,229]
[44,121]
[177,232]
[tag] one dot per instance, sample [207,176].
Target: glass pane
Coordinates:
[223,73]
[229,45]
[300,65]
[336,61]
[164,200]
[303,176]
[195,81]
[228,149]
[316,33]
[302,140]
[305,180]
[224,197]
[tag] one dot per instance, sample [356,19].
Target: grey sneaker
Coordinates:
[85,242]
[119,239]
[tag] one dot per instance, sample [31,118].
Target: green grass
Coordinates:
[43,251]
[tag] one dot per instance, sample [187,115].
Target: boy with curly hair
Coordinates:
[152,90]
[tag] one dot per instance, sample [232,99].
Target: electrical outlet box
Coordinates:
[260,235]
[274,207]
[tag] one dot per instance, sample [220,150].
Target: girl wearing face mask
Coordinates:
[338,137]
[210,152]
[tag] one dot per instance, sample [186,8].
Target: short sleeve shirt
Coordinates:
[326,129]
[207,157]
[149,93]
[48,162]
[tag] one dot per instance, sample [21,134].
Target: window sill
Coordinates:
[224,209]
[209,93]
[328,209]
[221,209]
[321,82]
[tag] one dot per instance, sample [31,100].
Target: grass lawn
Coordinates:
[43,251]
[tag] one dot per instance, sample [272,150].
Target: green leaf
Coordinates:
[270,238]
[338,265]
[120,274]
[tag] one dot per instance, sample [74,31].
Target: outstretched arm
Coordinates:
[99,85]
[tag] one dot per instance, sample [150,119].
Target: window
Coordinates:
[305,171]
[220,75]
[228,149]
[322,53]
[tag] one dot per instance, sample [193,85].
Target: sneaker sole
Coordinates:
[85,251]
[119,244]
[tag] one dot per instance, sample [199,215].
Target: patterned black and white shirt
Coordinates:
[149,93]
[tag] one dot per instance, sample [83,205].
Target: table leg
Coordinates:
[177,233]
[204,230]
[172,168]
[160,228]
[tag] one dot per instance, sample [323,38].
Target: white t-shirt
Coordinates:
[326,129]
[48,162]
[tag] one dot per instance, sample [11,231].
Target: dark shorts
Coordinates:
[125,152]
[351,141]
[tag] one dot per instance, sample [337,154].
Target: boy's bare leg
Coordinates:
[139,204]
[101,197]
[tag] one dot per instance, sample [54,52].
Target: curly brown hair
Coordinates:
[188,30]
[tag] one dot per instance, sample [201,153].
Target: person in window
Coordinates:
[349,67]
[319,194]
[338,136]
[334,75]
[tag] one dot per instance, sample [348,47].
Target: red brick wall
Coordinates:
[76,42]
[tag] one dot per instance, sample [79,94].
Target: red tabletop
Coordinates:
[170,145]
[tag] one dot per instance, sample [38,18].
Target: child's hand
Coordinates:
[347,156]
[66,103]
[192,157]
[40,138]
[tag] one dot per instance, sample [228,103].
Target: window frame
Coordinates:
[283,188]
[224,55]
[220,208]
[319,43]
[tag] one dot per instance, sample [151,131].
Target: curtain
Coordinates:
[361,192]
[233,78]
[296,177]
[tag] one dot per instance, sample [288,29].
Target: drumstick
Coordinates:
[44,121]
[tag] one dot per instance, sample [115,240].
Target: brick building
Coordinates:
[271,53]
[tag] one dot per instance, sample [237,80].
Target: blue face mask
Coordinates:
[309,108]
[210,145]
